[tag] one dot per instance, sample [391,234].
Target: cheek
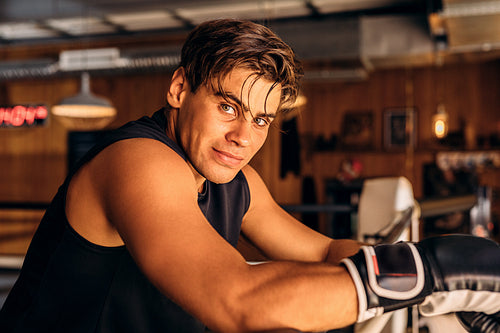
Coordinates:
[260,139]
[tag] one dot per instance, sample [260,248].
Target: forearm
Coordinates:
[340,249]
[306,297]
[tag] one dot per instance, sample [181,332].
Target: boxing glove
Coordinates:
[442,274]
[478,322]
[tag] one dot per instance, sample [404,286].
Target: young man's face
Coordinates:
[220,134]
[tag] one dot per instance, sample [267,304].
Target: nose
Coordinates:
[240,133]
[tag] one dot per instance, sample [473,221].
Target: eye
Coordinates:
[260,121]
[228,109]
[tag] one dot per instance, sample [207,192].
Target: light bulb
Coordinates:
[440,122]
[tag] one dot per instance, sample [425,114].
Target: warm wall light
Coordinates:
[84,111]
[440,122]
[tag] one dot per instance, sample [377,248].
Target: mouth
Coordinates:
[227,158]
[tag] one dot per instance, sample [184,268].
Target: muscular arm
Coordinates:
[149,197]
[279,236]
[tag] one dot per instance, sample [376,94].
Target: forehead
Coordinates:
[255,92]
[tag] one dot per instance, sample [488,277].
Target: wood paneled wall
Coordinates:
[33,161]
[470,92]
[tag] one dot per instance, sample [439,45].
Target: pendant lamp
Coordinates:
[84,111]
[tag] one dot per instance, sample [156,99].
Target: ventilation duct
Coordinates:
[322,40]
[355,45]
[11,70]
[347,48]
[94,61]
[332,45]
[467,25]
[396,41]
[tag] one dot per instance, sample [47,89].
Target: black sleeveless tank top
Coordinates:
[68,284]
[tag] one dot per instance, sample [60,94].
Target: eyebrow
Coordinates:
[236,100]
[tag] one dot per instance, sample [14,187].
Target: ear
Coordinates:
[177,86]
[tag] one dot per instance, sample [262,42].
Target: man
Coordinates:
[141,236]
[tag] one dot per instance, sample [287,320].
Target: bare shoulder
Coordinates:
[141,164]
[140,154]
[143,169]
[120,180]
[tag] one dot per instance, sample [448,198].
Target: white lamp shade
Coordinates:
[84,111]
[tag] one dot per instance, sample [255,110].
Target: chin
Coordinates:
[221,177]
[221,180]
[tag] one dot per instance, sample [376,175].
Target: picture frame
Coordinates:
[399,128]
[358,130]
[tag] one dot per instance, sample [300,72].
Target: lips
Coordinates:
[227,158]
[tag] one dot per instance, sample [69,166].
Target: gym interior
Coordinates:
[395,134]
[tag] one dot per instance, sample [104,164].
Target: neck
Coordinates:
[171,115]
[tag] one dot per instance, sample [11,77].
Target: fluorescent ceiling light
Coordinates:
[25,31]
[77,26]
[245,10]
[146,20]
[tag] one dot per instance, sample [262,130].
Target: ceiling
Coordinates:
[31,20]
[351,34]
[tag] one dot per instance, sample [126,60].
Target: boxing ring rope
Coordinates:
[442,206]
[428,208]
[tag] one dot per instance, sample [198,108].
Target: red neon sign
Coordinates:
[23,115]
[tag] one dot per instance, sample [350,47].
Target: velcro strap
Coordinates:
[386,277]
[395,271]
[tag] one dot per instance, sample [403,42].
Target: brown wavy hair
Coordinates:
[214,48]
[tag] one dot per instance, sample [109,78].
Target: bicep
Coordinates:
[275,232]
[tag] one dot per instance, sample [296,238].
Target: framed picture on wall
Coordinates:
[357,130]
[399,128]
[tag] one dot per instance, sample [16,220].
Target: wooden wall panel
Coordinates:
[16,230]
[42,140]
[33,161]
[31,178]
[134,95]
[33,158]
[489,100]
[470,94]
